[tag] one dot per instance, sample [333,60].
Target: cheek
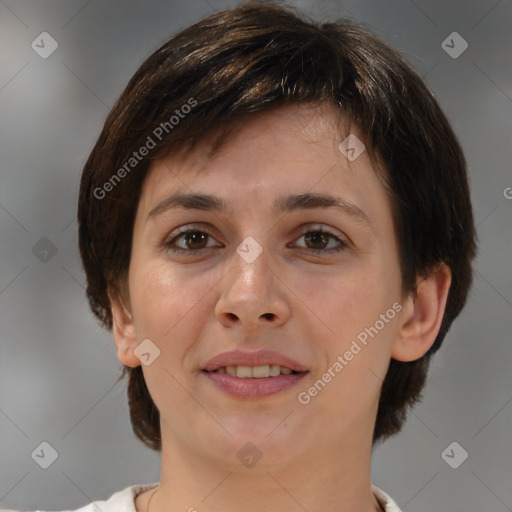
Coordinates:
[347,323]
[158,297]
[342,302]
[347,388]
[166,299]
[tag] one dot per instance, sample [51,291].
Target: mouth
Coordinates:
[254,374]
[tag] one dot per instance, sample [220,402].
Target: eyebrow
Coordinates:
[285,204]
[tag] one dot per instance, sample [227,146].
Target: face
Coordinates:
[273,269]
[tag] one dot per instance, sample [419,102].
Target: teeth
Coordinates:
[255,372]
[244,371]
[259,372]
[275,370]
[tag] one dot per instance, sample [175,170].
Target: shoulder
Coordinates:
[385,500]
[120,501]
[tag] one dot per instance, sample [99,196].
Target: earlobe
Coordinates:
[422,315]
[123,331]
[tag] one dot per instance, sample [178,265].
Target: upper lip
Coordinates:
[254,358]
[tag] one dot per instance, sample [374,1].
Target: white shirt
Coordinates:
[124,501]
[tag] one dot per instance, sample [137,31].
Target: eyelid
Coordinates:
[318,226]
[342,240]
[178,232]
[168,242]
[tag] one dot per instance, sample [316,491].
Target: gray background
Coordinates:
[58,368]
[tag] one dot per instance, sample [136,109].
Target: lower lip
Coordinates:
[254,388]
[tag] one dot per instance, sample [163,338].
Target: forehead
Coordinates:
[293,126]
[292,147]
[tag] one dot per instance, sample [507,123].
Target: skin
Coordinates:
[309,306]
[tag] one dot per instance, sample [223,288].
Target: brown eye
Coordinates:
[318,239]
[195,239]
[189,240]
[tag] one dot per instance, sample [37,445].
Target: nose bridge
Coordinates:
[251,292]
[251,275]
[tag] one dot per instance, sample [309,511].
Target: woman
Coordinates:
[275,225]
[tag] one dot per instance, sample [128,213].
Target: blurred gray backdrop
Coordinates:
[58,368]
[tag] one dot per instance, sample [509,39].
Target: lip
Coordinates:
[254,358]
[253,388]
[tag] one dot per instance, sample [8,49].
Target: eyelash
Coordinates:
[169,242]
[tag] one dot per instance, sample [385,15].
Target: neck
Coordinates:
[326,480]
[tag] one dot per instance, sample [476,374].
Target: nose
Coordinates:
[252,295]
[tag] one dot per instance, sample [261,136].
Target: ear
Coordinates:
[123,330]
[422,315]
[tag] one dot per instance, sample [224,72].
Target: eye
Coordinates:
[191,240]
[194,240]
[319,240]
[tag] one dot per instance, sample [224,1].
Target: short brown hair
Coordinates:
[260,56]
